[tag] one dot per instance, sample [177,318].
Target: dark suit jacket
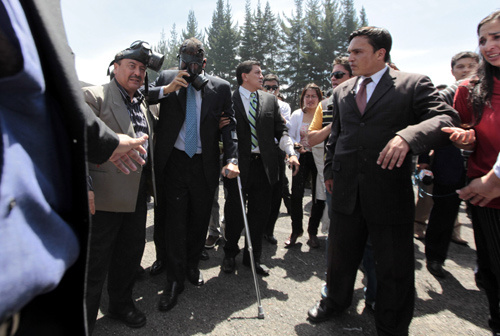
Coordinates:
[57,61]
[402,104]
[216,100]
[270,126]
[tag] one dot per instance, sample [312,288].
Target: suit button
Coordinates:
[360,148]
[362,125]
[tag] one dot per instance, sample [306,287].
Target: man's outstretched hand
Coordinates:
[128,150]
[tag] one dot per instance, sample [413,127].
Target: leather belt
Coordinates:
[255,156]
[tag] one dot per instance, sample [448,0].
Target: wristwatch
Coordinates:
[233,161]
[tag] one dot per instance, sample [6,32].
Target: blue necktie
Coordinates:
[191,139]
[252,117]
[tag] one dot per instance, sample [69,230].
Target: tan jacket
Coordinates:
[115,191]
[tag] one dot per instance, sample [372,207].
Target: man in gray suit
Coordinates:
[383,115]
[119,224]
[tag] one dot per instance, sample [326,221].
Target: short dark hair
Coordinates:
[270,78]
[344,61]
[462,55]
[244,67]
[378,38]
[192,46]
[310,86]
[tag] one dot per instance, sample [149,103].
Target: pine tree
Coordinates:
[349,21]
[294,69]
[222,43]
[311,50]
[192,28]
[246,50]
[363,19]
[270,34]
[332,42]
[173,45]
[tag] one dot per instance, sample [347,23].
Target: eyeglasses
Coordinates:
[269,87]
[337,74]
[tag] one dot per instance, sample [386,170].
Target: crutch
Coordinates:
[250,250]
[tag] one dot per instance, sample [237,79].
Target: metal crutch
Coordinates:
[250,250]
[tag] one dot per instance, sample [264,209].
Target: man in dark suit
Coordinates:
[258,124]
[383,115]
[44,232]
[187,164]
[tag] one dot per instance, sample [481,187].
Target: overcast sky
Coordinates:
[426,33]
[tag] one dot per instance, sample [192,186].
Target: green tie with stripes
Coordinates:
[252,117]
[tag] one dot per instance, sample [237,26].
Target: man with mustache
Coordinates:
[119,224]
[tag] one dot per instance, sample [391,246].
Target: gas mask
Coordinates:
[196,78]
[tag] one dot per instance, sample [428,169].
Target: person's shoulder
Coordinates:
[96,90]
[217,81]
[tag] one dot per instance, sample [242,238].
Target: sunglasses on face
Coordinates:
[269,87]
[337,74]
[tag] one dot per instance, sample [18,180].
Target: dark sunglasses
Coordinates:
[269,87]
[337,74]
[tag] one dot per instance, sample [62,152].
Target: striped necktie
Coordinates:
[252,117]
[191,138]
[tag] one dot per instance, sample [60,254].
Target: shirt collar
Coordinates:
[376,76]
[138,97]
[245,93]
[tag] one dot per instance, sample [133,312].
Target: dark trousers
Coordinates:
[116,247]
[280,191]
[486,224]
[257,195]
[185,204]
[395,266]
[307,168]
[441,222]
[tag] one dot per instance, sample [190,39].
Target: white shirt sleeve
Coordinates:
[496,167]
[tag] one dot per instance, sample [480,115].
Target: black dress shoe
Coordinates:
[168,299]
[195,277]
[132,318]
[292,240]
[436,268]
[204,255]
[259,268]
[157,267]
[271,239]
[320,312]
[228,264]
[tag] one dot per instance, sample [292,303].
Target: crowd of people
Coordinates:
[174,139]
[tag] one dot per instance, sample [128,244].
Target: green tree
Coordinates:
[294,69]
[332,42]
[246,50]
[222,43]
[172,49]
[192,28]
[363,19]
[349,21]
[271,40]
[311,50]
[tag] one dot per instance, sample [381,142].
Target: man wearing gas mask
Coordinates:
[187,164]
[119,224]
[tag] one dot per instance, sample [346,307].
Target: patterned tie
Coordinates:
[361,95]
[191,139]
[252,117]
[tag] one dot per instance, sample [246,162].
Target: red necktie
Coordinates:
[361,95]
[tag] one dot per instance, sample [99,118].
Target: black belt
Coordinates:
[255,156]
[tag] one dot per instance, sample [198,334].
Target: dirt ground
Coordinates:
[227,305]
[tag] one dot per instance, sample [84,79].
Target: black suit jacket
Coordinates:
[216,101]
[402,104]
[270,126]
[82,128]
